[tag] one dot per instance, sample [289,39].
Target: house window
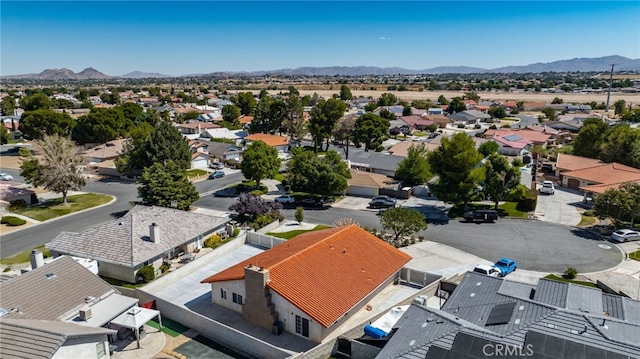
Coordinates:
[101,350]
[237,298]
[223,293]
[302,326]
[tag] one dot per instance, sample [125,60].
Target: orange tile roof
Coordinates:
[245,119]
[325,273]
[602,188]
[368,179]
[271,140]
[510,104]
[571,163]
[533,136]
[606,173]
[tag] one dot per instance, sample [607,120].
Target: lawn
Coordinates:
[279,177]
[196,172]
[507,209]
[24,257]
[555,277]
[635,255]
[291,234]
[121,283]
[53,208]
[586,221]
[169,327]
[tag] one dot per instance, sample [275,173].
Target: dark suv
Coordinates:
[484,215]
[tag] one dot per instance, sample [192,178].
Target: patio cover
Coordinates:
[135,317]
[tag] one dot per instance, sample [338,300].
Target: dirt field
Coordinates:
[488,96]
[12,162]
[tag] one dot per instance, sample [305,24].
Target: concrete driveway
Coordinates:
[563,207]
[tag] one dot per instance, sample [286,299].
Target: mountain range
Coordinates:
[598,64]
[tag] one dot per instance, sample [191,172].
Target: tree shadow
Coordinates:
[588,234]
[118,214]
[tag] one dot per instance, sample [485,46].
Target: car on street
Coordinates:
[285,198]
[381,203]
[484,215]
[625,235]
[6,177]
[547,187]
[487,270]
[216,174]
[310,203]
[384,197]
[505,266]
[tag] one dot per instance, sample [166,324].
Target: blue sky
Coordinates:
[177,38]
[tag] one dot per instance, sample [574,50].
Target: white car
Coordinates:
[547,187]
[491,271]
[285,198]
[625,235]
[6,177]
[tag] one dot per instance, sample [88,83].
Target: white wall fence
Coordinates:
[417,278]
[262,240]
[269,227]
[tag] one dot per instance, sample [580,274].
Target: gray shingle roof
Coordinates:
[126,241]
[17,337]
[37,295]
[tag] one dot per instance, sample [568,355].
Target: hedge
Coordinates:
[12,221]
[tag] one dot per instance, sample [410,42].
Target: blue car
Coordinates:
[216,174]
[506,266]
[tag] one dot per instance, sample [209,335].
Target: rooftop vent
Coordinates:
[85,314]
[50,275]
[3,312]
[90,299]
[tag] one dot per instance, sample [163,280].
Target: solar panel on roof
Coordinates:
[512,137]
[500,313]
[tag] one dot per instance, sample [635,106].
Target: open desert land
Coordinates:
[485,95]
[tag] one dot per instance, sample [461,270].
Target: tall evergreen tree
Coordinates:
[414,170]
[166,185]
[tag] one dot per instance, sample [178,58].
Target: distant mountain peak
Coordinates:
[142,75]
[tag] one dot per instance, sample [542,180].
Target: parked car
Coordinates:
[487,270]
[506,266]
[625,235]
[547,187]
[381,203]
[6,177]
[216,174]
[385,197]
[285,198]
[484,215]
[216,165]
[310,202]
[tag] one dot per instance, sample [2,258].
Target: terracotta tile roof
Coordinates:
[602,188]
[438,118]
[198,154]
[110,149]
[571,163]
[245,119]
[368,179]
[469,102]
[325,273]
[271,140]
[533,136]
[505,141]
[414,120]
[606,173]
[510,104]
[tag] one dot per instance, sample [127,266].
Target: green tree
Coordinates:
[133,158]
[35,124]
[456,163]
[345,93]
[230,113]
[130,111]
[590,138]
[471,95]
[622,145]
[8,105]
[245,101]
[260,161]
[387,99]
[36,101]
[101,125]
[166,185]
[4,133]
[59,170]
[299,214]
[344,133]
[501,179]
[498,112]
[619,106]
[456,105]
[268,116]
[613,203]
[414,170]
[556,100]
[385,113]
[443,100]
[370,130]
[325,175]
[488,147]
[324,117]
[402,221]
[62,103]
[406,111]
[294,123]
[550,113]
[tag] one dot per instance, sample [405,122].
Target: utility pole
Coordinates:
[609,93]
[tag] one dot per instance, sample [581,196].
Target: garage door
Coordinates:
[573,183]
[199,163]
[361,191]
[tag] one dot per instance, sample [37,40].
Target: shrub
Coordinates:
[299,214]
[17,205]
[528,202]
[460,125]
[589,213]
[146,274]
[570,273]
[24,152]
[7,269]
[165,267]
[236,231]
[212,241]
[477,126]
[12,221]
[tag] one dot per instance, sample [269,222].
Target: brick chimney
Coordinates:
[257,307]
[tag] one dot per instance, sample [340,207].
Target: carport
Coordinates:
[135,318]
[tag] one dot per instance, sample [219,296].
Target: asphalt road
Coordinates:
[535,245]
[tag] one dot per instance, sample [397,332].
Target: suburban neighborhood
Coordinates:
[163,221]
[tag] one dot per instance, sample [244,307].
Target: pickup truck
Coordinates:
[505,266]
[484,215]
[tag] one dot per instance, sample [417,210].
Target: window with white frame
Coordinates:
[101,350]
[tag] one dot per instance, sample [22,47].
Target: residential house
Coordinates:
[434,111]
[225,151]
[225,134]
[417,123]
[401,125]
[479,108]
[572,125]
[210,117]
[13,191]
[200,157]
[104,152]
[469,103]
[396,110]
[512,144]
[469,117]
[367,184]
[280,143]
[401,149]
[372,161]
[193,130]
[536,138]
[578,108]
[486,317]
[144,236]
[534,106]
[245,121]
[440,120]
[44,339]
[510,105]
[311,284]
